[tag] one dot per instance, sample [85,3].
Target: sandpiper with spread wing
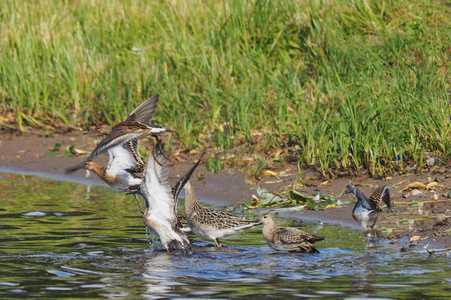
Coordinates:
[366,211]
[160,205]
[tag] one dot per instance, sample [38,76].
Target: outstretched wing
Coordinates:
[181,183]
[125,132]
[156,189]
[386,198]
[380,194]
[366,204]
[145,111]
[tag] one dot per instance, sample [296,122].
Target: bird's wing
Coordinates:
[380,194]
[133,148]
[386,197]
[220,219]
[360,197]
[289,235]
[145,111]
[181,183]
[120,159]
[156,188]
[116,137]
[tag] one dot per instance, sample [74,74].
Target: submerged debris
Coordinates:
[291,199]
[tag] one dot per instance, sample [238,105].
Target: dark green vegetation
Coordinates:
[340,85]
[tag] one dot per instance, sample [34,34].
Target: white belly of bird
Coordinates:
[366,223]
[210,232]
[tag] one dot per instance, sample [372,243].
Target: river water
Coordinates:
[67,240]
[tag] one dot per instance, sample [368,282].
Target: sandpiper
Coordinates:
[125,132]
[137,126]
[287,238]
[212,224]
[122,181]
[116,174]
[160,205]
[366,211]
[143,114]
[132,146]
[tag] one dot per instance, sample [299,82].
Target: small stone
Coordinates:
[416,193]
[430,161]
[434,196]
[415,238]
[441,220]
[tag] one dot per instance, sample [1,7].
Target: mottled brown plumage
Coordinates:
[209,223]
[132,146]
[379,195]
[137,126]
[125,132]
[287,238]
[182,223]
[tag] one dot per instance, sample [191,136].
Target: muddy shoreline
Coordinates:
[29,154]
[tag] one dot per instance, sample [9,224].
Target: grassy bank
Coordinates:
[344,85]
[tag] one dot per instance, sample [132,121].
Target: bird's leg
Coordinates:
[218,245]
[368,243]
[375,239]
[367,240]
[139,204]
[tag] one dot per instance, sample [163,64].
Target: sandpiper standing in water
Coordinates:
[366,211]
[209,223]
[287,238]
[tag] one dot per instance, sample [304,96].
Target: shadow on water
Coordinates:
[67,240]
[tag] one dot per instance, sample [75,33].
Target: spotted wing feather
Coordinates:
[293,236]
[220,219]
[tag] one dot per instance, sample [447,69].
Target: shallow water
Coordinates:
[68,240]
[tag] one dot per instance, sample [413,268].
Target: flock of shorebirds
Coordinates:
[127,172]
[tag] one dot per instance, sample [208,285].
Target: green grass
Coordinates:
[350,84]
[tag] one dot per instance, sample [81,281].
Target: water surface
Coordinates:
[68,240]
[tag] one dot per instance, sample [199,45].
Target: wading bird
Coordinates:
[287,238]
[209,223]
[366,211]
